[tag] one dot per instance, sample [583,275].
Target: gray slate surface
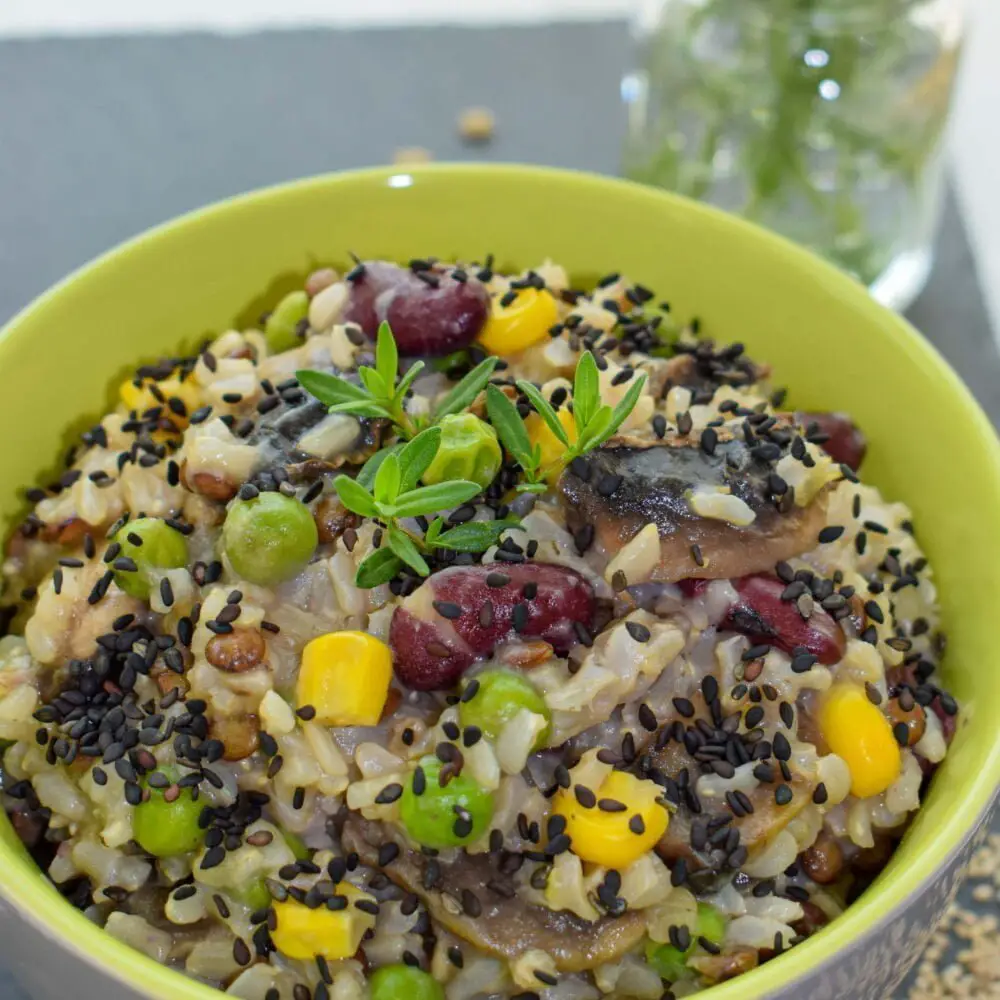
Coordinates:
[101,138]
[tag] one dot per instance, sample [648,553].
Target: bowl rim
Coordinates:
[58,920]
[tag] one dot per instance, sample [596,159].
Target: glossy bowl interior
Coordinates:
[930,444]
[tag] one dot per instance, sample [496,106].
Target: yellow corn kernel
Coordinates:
[551,447]
[140,397]
[857,731]
[524,322]
[302,933]
[345,676]
[614,839]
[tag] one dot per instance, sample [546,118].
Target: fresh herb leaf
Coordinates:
[586,391]
[625,406]
[592,433]
[431,499]
[378,568]
[510,428]
[544,409]
[386,356]
[378,396]
[358,408]
[407,380]
[366,475]
[330,389]
[463,394]
[434,529]
[405,548]
[355,497]
[387,481]
[373,382]
[415,458]
[474,536]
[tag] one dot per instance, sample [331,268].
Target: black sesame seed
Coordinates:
[830,533]
[685,707]
[638,631]
[782,795]
[419,784]
[213,856]
[389,794]
[519,617]
[611,805]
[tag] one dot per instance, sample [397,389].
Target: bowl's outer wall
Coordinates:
[930,444]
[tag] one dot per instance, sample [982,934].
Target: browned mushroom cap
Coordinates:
[279,431]
[507,926]
[755,829]
[701,367]
[622,488]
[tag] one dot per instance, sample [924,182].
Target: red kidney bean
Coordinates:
[693,588]
[845,443]
[425,319]
[462,614]
[762,616]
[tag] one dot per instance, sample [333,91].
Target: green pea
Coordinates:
[255,894]
[469,450]
[269,538]
[152,545]
[667,962]
[452,362]
[501,695]
[670,963]
[444,817]
[402,982]
[296,845]
[164,828]
[281,326]
[711,923]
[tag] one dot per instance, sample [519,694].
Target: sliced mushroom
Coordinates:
[622,488]
[728,965]
[310,442]
[507,926]
[755,829]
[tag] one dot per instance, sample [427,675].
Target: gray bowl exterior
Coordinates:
[869,969]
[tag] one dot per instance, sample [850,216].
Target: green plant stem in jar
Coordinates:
[821,119]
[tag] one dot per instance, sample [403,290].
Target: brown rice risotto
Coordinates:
[461,634]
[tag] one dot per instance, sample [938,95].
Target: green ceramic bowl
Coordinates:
[930,446]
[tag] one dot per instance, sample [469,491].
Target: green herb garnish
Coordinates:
[390,492]
[595,420]
[382,393]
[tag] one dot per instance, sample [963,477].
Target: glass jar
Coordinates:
[821,119]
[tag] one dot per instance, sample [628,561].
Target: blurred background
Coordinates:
[865,129]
